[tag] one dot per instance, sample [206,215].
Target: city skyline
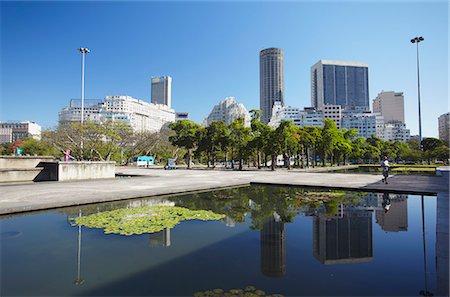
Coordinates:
[210,58]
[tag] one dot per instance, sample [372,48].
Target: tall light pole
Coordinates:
[83,51]
[416,40]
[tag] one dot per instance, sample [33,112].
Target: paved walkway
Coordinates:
[151,182]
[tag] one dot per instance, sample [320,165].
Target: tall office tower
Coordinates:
[391,105]
[271,81]
[162,90]
[340,83]
[444,127]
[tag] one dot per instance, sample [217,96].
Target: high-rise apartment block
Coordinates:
[162,90]
[271,80]
[391,105]
[227,111]
[444,127]
[340,83]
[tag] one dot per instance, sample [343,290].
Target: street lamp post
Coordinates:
[83,51]
[416,40]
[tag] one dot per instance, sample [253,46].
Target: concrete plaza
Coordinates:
[144,182]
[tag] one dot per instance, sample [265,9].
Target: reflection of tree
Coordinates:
[234,203]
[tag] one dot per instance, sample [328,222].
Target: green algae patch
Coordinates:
[249,291]
[140,220]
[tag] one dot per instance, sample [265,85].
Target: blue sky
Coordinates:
[211,49]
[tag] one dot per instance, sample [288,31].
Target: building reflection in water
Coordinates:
[273,247]
[442,244]
[160,239]
[343,239]
[392,215]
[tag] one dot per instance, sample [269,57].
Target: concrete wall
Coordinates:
[23,162]
[85,170]
[19,175]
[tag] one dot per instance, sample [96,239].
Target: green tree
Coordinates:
[328,141]
[186,136]
[239,138]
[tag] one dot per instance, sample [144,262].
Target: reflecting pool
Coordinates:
[249,241]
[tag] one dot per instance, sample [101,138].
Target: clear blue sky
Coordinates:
[211,49]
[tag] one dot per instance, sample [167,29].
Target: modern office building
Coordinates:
[11,132]
[444,127]
[340,83]
[162,90]
[227,111]
[391,105]
[333,112]
[140,115]
[366,123]
[396,131]
[271,80]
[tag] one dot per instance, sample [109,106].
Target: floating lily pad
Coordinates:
[139,220]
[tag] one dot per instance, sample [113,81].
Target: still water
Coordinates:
[267,241]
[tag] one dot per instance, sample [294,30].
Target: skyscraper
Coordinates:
[444,127]
[340,83]
[391,105]
[271,80]
[162,90]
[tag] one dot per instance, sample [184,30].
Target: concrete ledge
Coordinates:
[85,170]
[19,174]
[18,162]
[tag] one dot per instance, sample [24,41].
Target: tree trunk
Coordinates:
[259,159]
[273,163]
[307,157]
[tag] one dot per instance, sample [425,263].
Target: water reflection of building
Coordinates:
[229,222]
[442,244]
[343,240]
[273,247]
[155,201]
[161,238]
[396,217]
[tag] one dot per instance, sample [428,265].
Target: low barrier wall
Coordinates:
[23,162]
[85,170]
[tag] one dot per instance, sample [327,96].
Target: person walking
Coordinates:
[385,169]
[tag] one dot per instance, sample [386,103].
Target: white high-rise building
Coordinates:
[140,115]
[391,105]
[366,123]
[162,90]
[227,111]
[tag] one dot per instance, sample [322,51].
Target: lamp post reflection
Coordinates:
[424,292]
[79,281]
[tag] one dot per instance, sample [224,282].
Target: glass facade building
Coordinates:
[340,83]
[271,77]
